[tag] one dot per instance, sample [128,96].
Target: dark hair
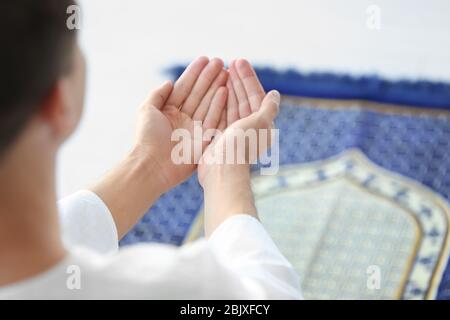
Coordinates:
[36,50]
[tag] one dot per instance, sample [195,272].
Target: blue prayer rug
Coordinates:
[363,188]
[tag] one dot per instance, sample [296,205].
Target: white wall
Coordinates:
[128,43]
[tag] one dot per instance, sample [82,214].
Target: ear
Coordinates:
[63,105]
[59,111]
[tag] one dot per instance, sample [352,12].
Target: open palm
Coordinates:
[198,95]
[244,100]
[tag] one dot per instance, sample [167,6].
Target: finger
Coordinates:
[202,109]
[158,97]
[232,104]
[269,109]
[201,86]
[223,120]
[241,95]
[254,89]
[183,86]
[215,111]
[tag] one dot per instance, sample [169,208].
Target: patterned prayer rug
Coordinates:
[360,204]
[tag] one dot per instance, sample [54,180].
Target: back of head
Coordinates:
[36,50]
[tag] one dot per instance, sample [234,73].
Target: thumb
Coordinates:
[158,97]
[269,108]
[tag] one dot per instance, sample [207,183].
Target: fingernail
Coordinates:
[275,96]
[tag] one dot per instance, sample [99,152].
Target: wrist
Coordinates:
[225,176]
[143,161]
[227,190]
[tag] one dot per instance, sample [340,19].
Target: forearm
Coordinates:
[227,190]
[129,190]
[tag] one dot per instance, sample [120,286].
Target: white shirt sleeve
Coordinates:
[244,246]
[86,221]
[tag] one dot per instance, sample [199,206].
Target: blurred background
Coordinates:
[129,44]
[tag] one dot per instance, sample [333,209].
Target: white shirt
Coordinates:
[238,261]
